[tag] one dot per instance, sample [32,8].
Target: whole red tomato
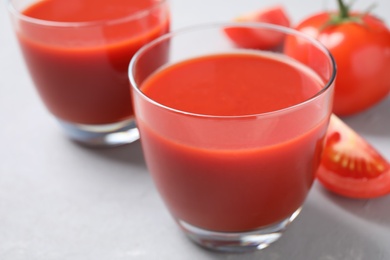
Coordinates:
[360,44]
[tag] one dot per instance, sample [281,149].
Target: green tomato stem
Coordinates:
[343,10]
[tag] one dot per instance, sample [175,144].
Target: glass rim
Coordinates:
[133,16]
[190,29]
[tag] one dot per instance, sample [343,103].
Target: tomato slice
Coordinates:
[259,38]
[350,166]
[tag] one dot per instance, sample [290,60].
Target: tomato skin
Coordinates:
[362,55]
[354,188]
[350,166]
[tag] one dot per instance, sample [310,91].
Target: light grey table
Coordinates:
[62,201]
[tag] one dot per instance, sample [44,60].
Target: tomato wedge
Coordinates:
[350,166]
[259,38]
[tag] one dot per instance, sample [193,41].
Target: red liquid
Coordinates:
[81,72]
[232,174]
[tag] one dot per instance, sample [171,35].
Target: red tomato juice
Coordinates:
[232,174]
[81,71]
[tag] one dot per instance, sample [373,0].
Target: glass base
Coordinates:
[237,241]
[109,135]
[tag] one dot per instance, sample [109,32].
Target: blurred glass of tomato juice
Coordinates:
[79,54]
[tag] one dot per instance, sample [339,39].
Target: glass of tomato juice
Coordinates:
[232,133]
[78,52]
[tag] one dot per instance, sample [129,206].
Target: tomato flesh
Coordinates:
[350,166]
[352,187]
[259,38]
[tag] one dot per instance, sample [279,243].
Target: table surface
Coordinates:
[59,200]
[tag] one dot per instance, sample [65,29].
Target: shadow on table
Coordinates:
[315,235]
[375,210]
[129,154]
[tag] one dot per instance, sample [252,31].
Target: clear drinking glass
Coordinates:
[233,180]
[78,60]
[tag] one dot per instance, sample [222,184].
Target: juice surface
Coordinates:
[81,72]
[231,85]
[230,189]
